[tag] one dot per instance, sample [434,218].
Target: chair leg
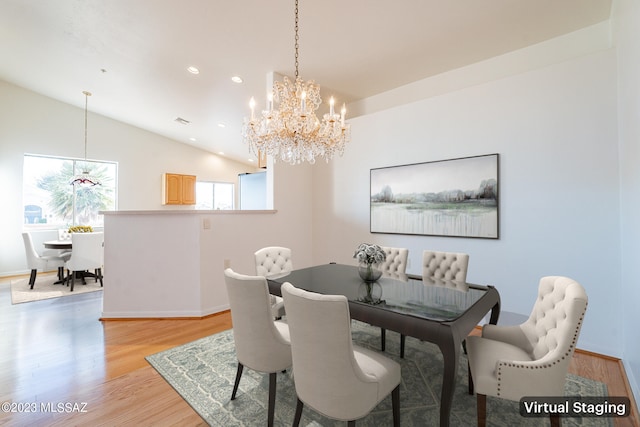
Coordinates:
[470,379]
[555,420]
[383,339]
[402,339]
[395,402]
[482,410]
[296,418]
[73,280]
[272,398]
[99,275]
[32,278]
[351,423]
[237,382]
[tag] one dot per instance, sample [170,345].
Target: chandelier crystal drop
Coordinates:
[85,179]
[292,132]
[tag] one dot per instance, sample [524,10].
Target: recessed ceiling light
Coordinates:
[251,160]
[192,139]
[193,70]
[222,125]
[236,79]
[221,153]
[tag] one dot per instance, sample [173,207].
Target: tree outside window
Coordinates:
[51,202]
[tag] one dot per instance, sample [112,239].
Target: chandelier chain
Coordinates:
[291,130]
[297,39]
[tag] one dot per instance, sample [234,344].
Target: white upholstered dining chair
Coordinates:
[37,262]
[274,261]
[394,266]
[262,344]
[531,359]
[395,263]
[332,375]
[445,265]
[87,254]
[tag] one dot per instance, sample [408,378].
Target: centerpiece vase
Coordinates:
[369,273]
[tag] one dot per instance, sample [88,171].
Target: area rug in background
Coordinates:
[45,289]
[203,372]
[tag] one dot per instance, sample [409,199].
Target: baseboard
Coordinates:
[111,319]
[161,314]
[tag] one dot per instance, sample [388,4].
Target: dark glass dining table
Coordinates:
[438,311]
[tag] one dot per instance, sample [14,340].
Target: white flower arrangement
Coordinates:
[370,254]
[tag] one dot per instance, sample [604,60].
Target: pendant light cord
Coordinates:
[86,104]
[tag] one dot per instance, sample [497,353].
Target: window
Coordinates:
[214,195]
[51,202]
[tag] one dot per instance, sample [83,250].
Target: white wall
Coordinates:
[626,19]
[555,129]
[32,123]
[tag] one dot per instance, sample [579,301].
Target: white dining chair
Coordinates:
[87,253]
[445,265]
[332,375]
[37,262]
[530,359]
[261,343]
[273,261]
[395,267]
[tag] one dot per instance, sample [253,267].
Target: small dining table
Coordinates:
[58,244]
[443,312]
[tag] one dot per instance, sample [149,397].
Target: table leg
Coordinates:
[495,311]
[61,278]
[451,354]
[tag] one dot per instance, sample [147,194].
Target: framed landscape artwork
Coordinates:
[455,198]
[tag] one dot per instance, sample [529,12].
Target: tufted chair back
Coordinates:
[396,261]
[556,318]
[531,359]
[273,260]
[445,265]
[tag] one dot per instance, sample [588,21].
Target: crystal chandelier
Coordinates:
[292,132]
[85,179]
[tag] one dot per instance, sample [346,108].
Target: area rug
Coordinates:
[45,289]
[203,372]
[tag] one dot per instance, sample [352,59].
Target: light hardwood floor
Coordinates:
[58,351]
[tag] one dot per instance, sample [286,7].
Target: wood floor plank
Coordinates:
[58,351]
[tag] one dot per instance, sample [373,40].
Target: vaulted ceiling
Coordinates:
[133,55]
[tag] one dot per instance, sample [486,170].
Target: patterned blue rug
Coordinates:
[203,371]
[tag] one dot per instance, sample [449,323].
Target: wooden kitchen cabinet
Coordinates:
[179,189]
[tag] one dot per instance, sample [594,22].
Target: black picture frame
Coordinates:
[452,198]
